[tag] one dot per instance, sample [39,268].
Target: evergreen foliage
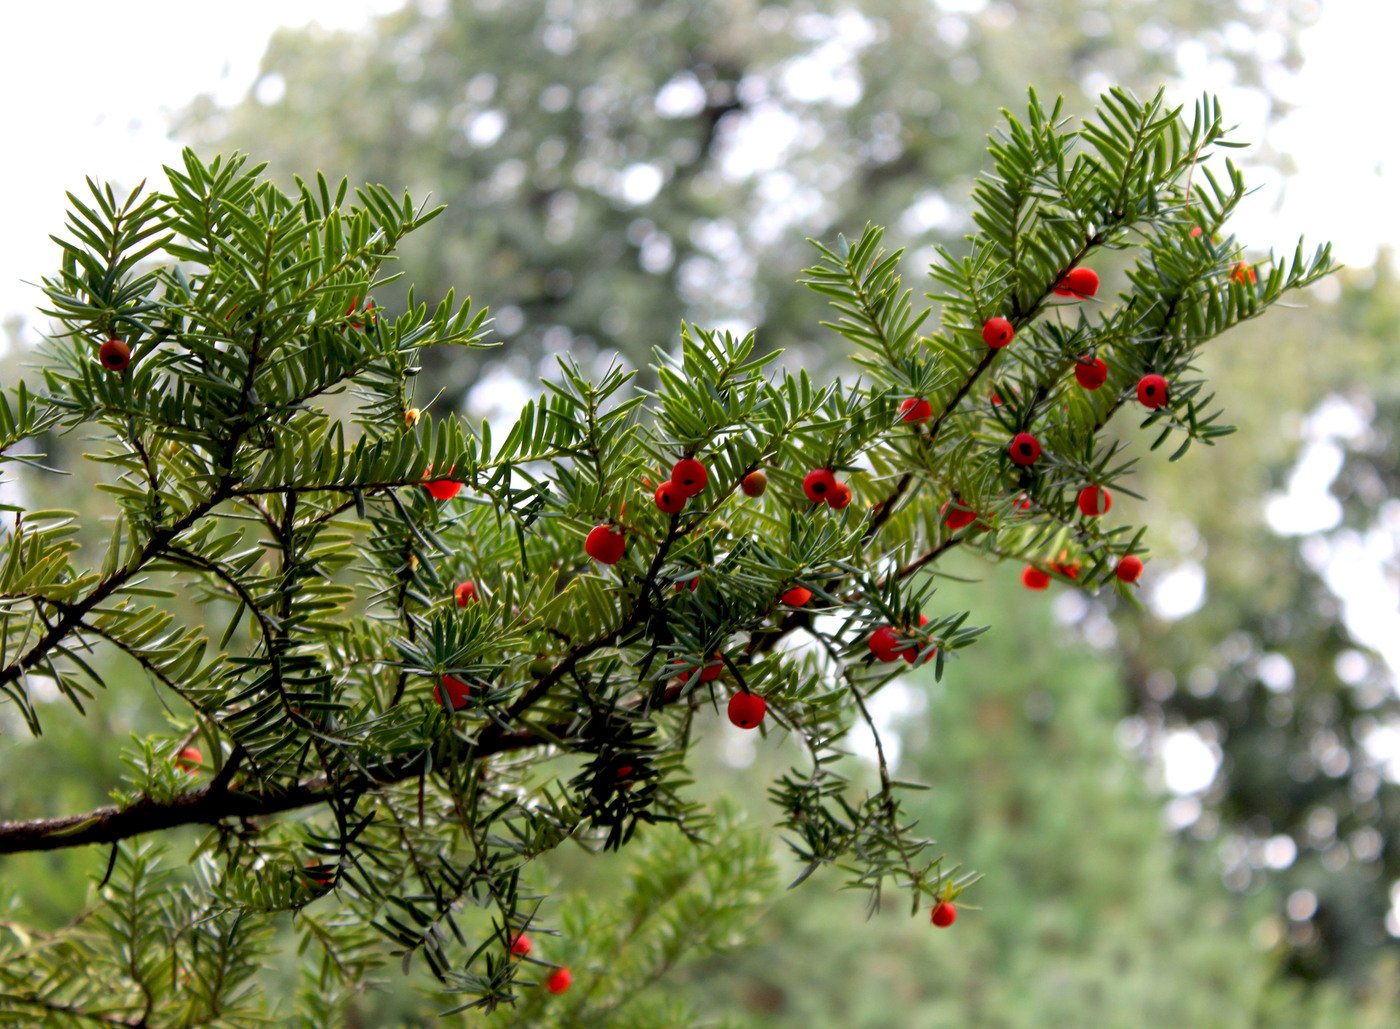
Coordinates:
[264,456]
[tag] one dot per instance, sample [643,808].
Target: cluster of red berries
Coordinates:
[688,477]
[1128,570]
[957,515]
[746,710]
[888,646]
[1080,283]
[559,980]
[822,487]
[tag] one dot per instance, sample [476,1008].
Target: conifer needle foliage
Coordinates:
[386,762]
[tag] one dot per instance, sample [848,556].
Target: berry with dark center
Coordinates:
[884,644]
[1024,448]
[1078,283]
[465,593]
[997,332]
[189,759]
[944,914]
[818,483]
[915,409]
[839,497]
[746,710]
[755,484]
[957,516]
[458,692]
[1090,372]
[1129,568]
[1094,501]
[670,498]
[559,981]
[690,476]
[797,596]
[115,355]
[1152,391]
[605,544]
[1033,578]
[521,945]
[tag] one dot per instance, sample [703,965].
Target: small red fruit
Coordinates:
[915,409]
[1196,231]
[1129,568]
[797,596]
[1064,566]
[746,710]
[693,584]
[115,355]
[520,946]
[441,489]
[839,497]
[690,476]
[465,593]
[1022,502]
[189,759]
[883,643]
[1033,578]
[605,544]
[560,981]
[944,914]
[457,692]
[755,484]
[1243,273]
[1024,448]
[1094,501]
[1078,283]
[1090,372]
[818,483]
[956,516]
[713,670]
[997,332]
[670,498]
[1152,391]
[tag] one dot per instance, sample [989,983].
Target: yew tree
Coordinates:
[404,657]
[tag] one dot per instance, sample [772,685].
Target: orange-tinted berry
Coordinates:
[755,484]
[797,596]
[839,497]
[1033,578]
[746,710]
[115,355]
[1243,273]
[605,544]
[465,593]
[189,759]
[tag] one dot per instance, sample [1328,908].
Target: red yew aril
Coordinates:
[997,332]
[755,484]
[1078,283]
[115,355]
[560,981]
[189,759]
[944,914]
[520,946]
[441,489]
[957,516]
[915,409]
[1033,578]
[465,593]
[797,596]
[670,498]
[1152,391]
[1094,501]
[458,692]
[1090,372]
[818,483]
[839,497]
[690,476]
[1129,568]
[883,643]
[1243,273]
[746,710]
[1024,448]
[605,544]
[713,670]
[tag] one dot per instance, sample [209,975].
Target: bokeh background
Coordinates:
[1187,808]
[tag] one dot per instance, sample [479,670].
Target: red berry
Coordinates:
[883,643]
[520,946]
[944,914]
[560,981]
[693,584]
[1196,231]
[956,516]
[1064,566]
[839,497]
[189,759]
[605,544]
[1090,372]
[797,596]
[1033,578]
[818,483]
[997,332]
[1022,502]
[746,710]
[441,489]
[755,484]
[915,409]
[457,692]
[910,652]
[1024,448]
[319,873]
[689,475]
[1094,501]
[115,355]
[996,399]
[713,670]
[1129,568]
[1078,283]
[670,498]
[1243,273]
[1152,391]
[465,593]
